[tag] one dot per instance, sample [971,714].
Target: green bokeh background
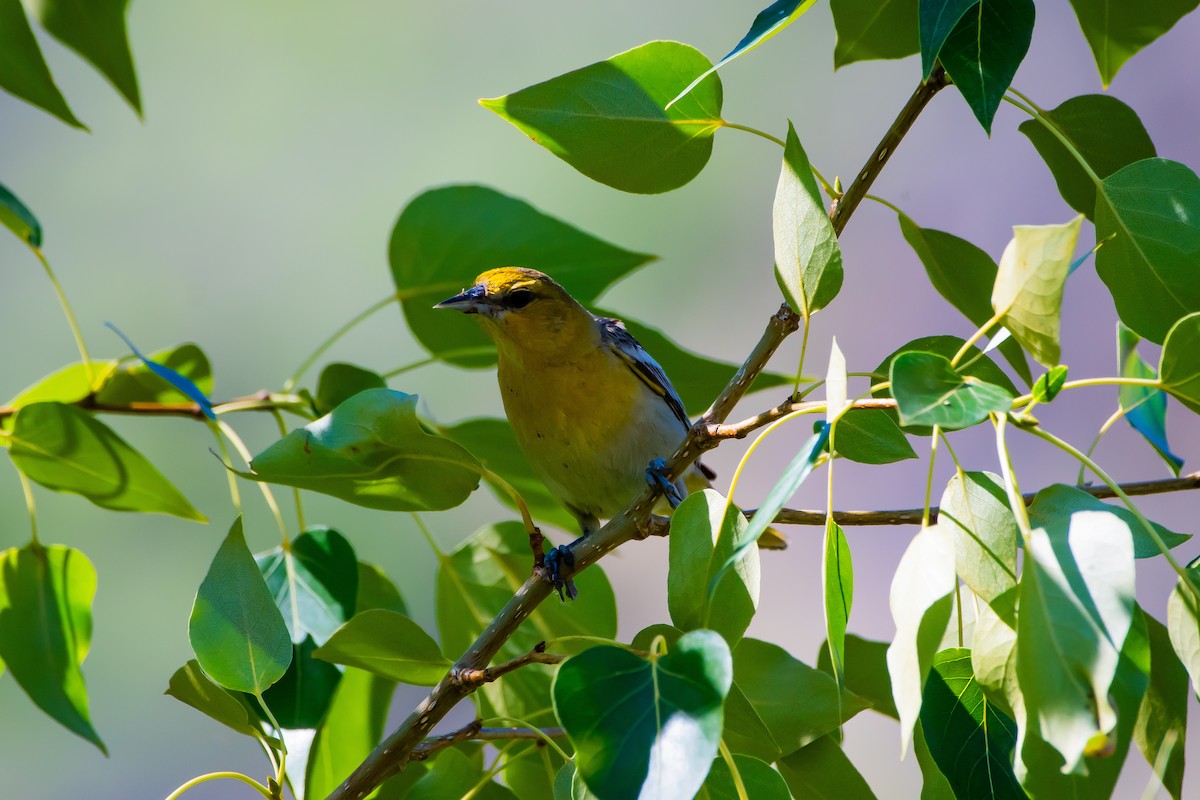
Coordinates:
[250,212]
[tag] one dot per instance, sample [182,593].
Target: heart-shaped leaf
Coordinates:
[871,436]
[929,391]
[937,19]
[1117,31]
[822,771]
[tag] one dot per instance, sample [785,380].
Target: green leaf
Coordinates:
[937,20]
[1029,285]
[352,727]
[1076,602]
[758,779]
[569,786]
[1060,501]
[301,697]
[1145,407]
[189,685]
[314,583]
[1117,31]
[1105,132]
[454,775]
[46,629]
[934,785]
[983,52]
[770,21]
[922,597]
[17,217]
[705,529]
[964,275]
[837,581]
[871,436]
[1183,625]
[23,71]
[697,379]
[624,714]
[808,260]
[1151,209]
[96,30]
[971,741]
[339,382]
[745,732]
[975,508]
[1049,384]
[929,391]
[236,630]
[137,383]
[874,29]
[796,703]
[390,645]
[1162,716]
[994,651]
[372,451]
[974,363]
[493,442]
[67,450]
[609,120]
[1179,364]
[821,771]
[866,672]
[445,237]
[67,385]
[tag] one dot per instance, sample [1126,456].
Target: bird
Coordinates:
[590,408]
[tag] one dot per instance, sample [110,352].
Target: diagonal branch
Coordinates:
[474,731]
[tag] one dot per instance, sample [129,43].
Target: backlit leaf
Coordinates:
[837,581]
[1183,625]
[1049,384]
[1117,31]
[929,391]
[180,382]
[1145,407]
[67,385]
[139,383]
[975,508]
[866,672]
[352,727]
[874,29]
[1060,501]
[1179,364]
[189,685]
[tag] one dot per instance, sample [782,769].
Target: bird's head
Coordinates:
[525,311]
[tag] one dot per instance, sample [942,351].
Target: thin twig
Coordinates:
[477,677]
[912,516]
[740,430]
[475,732]
[262,400]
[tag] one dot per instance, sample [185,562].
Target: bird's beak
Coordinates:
[471,301]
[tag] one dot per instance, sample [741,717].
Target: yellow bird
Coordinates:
[591,409]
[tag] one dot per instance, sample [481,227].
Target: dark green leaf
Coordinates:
[964,275]
[697,379]
[1145,407]
[758,779]
[929,391]
[971,740]
[934,785]
[189,685]
[352,727]
[1076,603]
[705,529]
[236,630]
[1162,717]
[821,771]
[973,363]
[866,672]
[1049,384]
[1060,501]
[23,71]
[390,645]
[339,382]
[445,237]
[301,697]
[837,581]
[67,385]
[808,260]
[874,29]
[623,713]
[372,451]
[871,436]
[936,21]
[46,629]
[454,775]
[314,583]
[1117,31]
[745,732]
[15,216]
[975,508]
[67,450]
[136,383]
[922,596]
[983,52]
[608,120]
[1151,208]
[569,786]
[1103,130]
[796,703]
[531,775]
[1179,364]
[96,30]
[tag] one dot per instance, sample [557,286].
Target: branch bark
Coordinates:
[475,731]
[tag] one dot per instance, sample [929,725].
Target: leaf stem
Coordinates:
[235,495]
[800,366]
[244,452]
[424,362]
[1108,423]
[883,202]
[428,534]
[762,134]
[738,784]
[809,408]
[933,443]
[283,431]
[70,314]
[362,316]
[1153,383]
[975,337]
[212,776]
[1033,111]
[30,505]
[541,735]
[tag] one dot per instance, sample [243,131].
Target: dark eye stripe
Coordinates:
[518,298]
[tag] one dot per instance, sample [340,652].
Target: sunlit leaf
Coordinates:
[975,508]
[983,51]
[96,30]
[929,391]
[874,29]
[67,385]
[645,725]
[1049,384]
[1162,717]
[1183,625]
[866,672]
[23,71]
[46,629]
[1117,31]
[14,214]
[68,450]
[1060,501]
[181,383]
[1179,364]
[191,686]
[1145,407]
[837,581]
[139,383]
[610,120]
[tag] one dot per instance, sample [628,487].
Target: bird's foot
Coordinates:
[555,560]
[656,476]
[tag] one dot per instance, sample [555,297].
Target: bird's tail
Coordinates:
[772,539]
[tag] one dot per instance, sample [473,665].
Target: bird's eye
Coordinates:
[518,298]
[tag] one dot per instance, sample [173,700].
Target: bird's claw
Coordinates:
[656,476]
[555,560]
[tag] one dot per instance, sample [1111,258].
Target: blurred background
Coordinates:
[250,211]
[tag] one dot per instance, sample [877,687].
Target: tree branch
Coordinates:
[912,516]
[478,677]
[259,401]
[475,731]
